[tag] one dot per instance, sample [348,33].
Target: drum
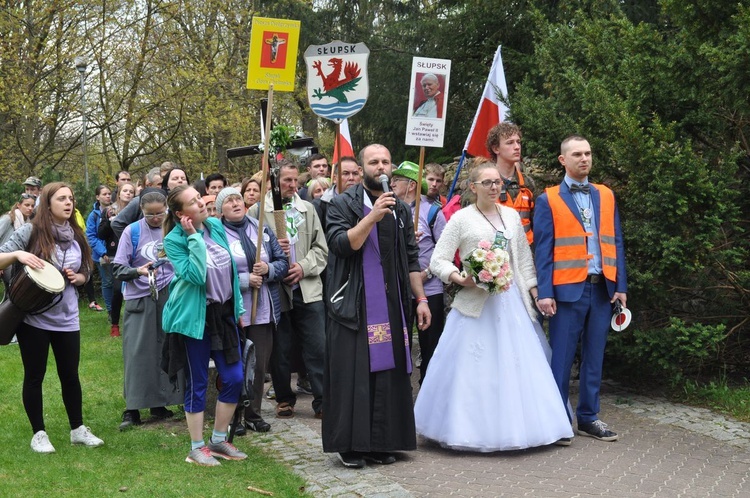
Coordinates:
[31,291]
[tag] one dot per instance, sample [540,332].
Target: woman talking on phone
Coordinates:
[201,316]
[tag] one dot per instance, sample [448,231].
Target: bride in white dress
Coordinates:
[489,386]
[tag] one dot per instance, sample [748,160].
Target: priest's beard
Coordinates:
[372,183]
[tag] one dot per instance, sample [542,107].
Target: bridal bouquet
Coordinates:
[490,267]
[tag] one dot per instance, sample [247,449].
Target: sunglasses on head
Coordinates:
[27,196]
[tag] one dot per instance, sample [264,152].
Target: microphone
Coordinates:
[385,186]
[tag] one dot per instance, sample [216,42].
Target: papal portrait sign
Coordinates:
[428,99]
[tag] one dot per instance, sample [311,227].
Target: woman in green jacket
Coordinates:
[204,306]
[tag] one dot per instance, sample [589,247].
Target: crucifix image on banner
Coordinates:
[273,54]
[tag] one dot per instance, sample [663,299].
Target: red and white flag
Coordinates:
[346,143]
[491,110]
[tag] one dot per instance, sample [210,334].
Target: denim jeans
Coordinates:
[305,323]
[105,272]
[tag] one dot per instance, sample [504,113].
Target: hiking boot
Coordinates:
[83,436]
[130,418]
[40,443]
[202,456]
[225,450]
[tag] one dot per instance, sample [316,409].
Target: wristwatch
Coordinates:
[428,273]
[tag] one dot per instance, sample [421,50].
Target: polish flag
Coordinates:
[346,143]
[491,110]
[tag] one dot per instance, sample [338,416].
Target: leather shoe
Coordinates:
[160,413]
[240,430]
[130,418]
[258,426]
[379,457]
[352,460]
[596,429]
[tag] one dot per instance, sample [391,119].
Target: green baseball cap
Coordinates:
[410,170]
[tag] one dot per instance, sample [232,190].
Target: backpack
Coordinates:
[432,216]
[135,236]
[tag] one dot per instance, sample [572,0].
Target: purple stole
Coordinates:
[379,337]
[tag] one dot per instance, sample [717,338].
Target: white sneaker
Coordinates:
[83,435]
[40,443]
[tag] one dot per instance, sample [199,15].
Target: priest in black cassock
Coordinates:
[373,271]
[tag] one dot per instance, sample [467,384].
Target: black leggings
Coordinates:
[89,288]
[66,346]
[114,314]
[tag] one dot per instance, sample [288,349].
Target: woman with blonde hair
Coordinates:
[316,187]
[490,334]
[19,215]
[125,194]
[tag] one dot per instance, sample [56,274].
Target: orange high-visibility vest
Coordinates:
[570,255]
[524,203]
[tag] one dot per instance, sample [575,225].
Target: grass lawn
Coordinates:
[146,461]
[719,396]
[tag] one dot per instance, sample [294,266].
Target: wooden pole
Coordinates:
[338,161]
[419,189]
[263,191]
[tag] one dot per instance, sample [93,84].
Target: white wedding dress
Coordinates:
[489,386]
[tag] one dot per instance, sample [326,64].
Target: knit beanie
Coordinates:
[223,195]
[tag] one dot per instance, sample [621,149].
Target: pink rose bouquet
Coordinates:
[490,267]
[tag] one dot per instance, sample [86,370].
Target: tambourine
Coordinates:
[621,317]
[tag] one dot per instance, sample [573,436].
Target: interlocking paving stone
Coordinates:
[665,449]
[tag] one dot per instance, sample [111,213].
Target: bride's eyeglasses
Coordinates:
[488,183]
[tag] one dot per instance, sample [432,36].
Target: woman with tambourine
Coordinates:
[51,239]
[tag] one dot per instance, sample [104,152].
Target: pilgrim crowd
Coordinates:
[320,291]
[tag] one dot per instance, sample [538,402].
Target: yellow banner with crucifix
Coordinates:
[273,54]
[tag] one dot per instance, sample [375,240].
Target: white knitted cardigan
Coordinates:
[463,233]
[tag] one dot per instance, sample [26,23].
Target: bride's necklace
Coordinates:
[501,238]
[488,220]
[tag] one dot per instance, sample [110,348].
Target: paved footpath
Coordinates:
[665,450]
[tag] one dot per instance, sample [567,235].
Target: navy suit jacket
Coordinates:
[544,243]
